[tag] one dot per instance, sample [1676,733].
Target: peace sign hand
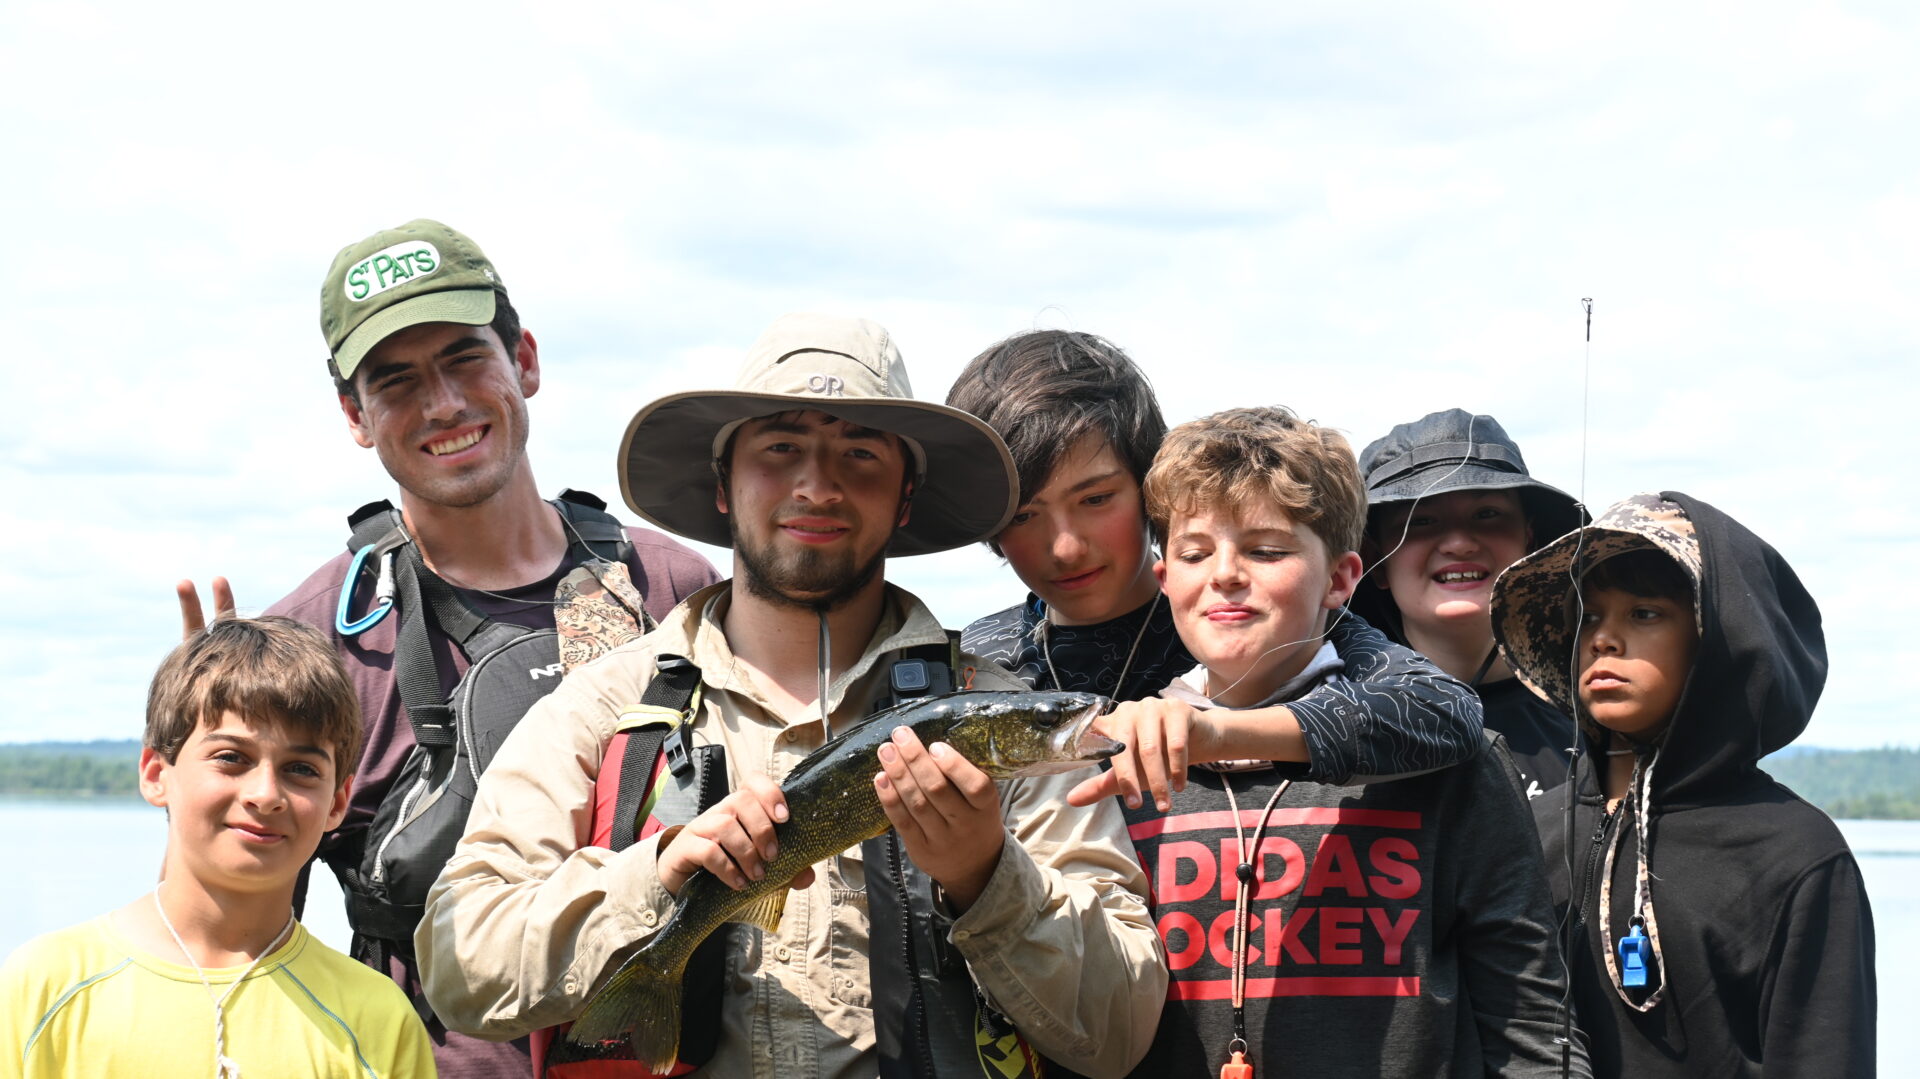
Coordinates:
[191,620]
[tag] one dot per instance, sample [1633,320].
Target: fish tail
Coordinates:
[642,998]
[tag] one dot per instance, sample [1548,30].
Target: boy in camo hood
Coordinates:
[1720,924]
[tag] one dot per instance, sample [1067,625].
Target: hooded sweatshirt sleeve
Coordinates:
[1822,1000]
[1393,714]
[1509,949]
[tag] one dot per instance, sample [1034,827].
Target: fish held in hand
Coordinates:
[832,806]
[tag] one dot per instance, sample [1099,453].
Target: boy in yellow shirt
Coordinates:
[251,725]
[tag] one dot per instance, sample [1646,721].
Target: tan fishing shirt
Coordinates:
[527,918]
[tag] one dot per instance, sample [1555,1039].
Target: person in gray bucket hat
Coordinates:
[1450,504]
[994,927]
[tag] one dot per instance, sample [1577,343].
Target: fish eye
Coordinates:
[1062,710]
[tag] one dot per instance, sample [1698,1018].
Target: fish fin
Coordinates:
[764,912]
[638,998]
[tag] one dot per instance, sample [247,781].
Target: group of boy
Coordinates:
[1308,857]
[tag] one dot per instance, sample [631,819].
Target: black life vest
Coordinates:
[387,872]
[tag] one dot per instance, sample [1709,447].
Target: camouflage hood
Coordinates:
[1762,658]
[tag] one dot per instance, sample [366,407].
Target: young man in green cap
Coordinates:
[1029,914]
[433,370]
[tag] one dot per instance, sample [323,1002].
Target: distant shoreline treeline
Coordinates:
[71,769]
[1863,784]
[1866,784]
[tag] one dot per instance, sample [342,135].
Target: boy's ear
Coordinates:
[153,776]
[1342,578]
[337,812]
[1160,572]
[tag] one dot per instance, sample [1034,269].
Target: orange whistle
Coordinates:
[1237,1068]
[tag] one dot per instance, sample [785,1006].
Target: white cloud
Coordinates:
[1365,213]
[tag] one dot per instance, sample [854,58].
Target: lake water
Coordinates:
[75,859]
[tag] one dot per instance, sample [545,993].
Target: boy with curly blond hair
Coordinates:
[1399,928]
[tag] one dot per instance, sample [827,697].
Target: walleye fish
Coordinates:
[832,806]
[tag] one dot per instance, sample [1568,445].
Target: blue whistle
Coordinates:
[1635,950]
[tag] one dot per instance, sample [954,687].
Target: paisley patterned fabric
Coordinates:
[597,609]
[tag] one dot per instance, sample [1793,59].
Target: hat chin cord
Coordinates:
[822,660]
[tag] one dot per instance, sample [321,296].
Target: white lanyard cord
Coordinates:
[1044,628]
[223,1066]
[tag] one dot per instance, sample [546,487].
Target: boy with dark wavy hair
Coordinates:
[1082,424]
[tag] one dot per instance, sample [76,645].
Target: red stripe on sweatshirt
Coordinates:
[1222,988]
[1250,818]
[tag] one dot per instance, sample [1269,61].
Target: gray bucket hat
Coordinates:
[1457,450]
[966,487]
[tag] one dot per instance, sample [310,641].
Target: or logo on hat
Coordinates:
[390,268]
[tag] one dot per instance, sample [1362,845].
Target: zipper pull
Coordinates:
[1607,817]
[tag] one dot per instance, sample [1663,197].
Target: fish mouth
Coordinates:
[1076,744]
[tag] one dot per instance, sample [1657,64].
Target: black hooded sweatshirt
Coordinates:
[1766,936]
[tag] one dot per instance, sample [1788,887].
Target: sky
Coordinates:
[1364,212]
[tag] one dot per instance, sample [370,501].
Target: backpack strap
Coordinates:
[589,522]
[585,513]
[370,524]
[420,591]
[675,690]
[415,673]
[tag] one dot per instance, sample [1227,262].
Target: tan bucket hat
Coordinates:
[966,488]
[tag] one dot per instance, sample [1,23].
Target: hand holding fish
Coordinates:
[944,804]
[946,810]
[734,840]
[192,620]
[1162,737]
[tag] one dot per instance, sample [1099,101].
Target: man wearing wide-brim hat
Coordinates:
[813,468]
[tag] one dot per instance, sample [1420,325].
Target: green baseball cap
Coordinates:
[422,271]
